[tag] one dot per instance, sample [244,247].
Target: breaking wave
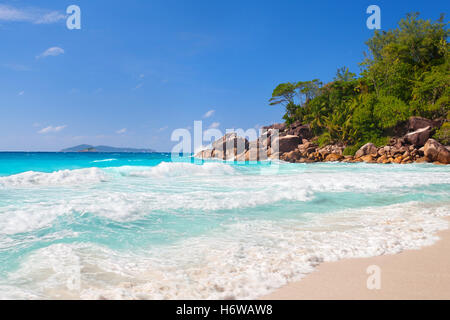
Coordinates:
[62,177]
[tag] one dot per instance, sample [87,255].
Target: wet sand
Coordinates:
[413,274]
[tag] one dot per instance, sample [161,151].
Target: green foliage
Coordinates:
[324,139]
[284,93]
[406,72]
[343,74]
[431,93]
[389,111]
[377,141]
[351,150]
[443,134]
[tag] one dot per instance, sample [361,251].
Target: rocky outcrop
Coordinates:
[285,144]
[331,149]
[229,147]
[367,149]
[291,156]
[418,137]
[297,144]
[334,157]
[231,143]
[434,151]
[277,126]
[369,158]
[416,123]
[257,150]
[300,130]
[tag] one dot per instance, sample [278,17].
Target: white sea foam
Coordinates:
[244,257]
[16,220]
[246,260]
[104,160]
[62,177]
[179,169]
[123,206]
[140,191]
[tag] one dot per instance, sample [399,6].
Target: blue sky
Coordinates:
[139,69]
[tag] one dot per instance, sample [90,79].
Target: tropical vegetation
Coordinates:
[406,72]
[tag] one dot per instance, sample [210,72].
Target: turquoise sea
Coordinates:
[145,226]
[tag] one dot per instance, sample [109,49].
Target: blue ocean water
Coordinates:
[132,226]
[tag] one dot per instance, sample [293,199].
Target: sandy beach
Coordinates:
[414,274]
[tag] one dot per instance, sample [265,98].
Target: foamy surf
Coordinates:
[210,230]
[180,169]
[247,260]
[62,177]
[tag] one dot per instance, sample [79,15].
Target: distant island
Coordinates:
[106,149]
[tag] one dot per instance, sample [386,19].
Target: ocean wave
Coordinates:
[178,169]
[247,260]
[124,206]
[62,177]
[264,228]
[184,187]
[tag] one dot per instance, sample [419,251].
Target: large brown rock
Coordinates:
[383,159]
[228,147]
[367,149]
[331,149]
[307,148]
[257,150]
[285,144]
[368,159]
[291,156]
[231,144]
[230,140]
[298,129]
[434,151]
[334,157]
[418,137]
[416,123]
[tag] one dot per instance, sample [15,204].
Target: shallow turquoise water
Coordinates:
[147,226]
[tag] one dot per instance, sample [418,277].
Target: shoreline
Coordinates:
[411,275]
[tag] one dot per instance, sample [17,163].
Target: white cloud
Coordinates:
[121,131]
[138,86]
[53,51]
[209,114]
[31,15]
[163,129]
[51,129]
[21,93]
[214,125]
[50,17]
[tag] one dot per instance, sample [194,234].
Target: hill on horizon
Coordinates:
[106,149]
